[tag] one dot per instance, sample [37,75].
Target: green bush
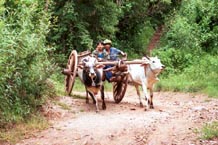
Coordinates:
[199,76]
[175,60]
[203,72]
[189,48]
[24,64]
[194,27]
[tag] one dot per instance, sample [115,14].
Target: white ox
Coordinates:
[145,75]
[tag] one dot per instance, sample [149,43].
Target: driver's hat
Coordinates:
[107,41]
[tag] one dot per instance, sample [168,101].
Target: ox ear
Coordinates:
[145,64]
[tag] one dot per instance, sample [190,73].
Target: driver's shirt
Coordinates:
[113,56]
[99,54]
[114,52]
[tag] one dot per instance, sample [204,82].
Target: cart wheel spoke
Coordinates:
[72,66]
[119,89]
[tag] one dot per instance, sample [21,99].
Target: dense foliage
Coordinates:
[24,66]
[130,24]
[194,27]
[77,24]
[189,48]
[33,31]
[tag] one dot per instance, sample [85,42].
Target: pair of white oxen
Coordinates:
[144,75]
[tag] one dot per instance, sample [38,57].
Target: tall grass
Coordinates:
[23,130]
[200,75]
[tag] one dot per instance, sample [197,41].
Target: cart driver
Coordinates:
[112,55]
[112,52]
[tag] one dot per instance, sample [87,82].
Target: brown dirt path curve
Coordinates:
[174,121]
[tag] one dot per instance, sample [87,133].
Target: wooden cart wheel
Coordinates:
[119,89]
[72,68]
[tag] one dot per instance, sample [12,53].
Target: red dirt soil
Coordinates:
[174,121]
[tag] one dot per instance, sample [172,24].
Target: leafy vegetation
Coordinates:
[76,24]
[24,64]
[194,27]
[189,49]
[188,73]
[130,24]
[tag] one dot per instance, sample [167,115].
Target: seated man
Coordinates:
[99,52]
[112,55]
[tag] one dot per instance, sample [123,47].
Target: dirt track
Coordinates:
[174,121]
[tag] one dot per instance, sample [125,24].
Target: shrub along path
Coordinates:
[176,119]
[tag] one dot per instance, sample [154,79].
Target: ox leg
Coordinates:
[102,97]
[147,97]
[96,103]
[87,97]
[95,100]
[151,102]
[139,95]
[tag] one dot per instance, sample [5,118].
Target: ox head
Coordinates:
[154,63]
[89,66]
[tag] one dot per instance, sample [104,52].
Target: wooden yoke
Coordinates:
[124,62]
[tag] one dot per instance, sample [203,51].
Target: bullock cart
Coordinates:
[119,70]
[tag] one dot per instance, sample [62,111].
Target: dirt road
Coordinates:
[174,121]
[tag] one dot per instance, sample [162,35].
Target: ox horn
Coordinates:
[146,57]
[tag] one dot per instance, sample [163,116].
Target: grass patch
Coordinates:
[212,91]
[81,110]
[191,80]
[78,97]
[108,86]
[189,73]
[185,83]
[23,130]
[207,100]
[79,86]
[177,83]
[210,131]
[59,82]
[63,105]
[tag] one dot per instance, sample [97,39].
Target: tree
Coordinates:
[77,24]
[140,20]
